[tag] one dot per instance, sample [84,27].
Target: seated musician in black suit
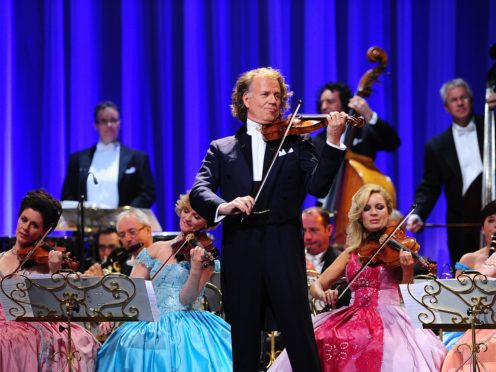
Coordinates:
[317,231]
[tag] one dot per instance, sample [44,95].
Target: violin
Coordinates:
[303,124]
[390,254]
[39,254]
[182,247]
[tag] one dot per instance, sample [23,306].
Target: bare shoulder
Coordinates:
[156,250]
[472,258]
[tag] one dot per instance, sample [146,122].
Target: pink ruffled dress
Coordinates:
[30,346]
[374,333]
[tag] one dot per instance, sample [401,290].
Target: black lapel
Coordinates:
[125,157]
[245,146]
[449,152]
[479,125]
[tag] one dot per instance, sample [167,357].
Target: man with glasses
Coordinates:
[135,233]
[119,175]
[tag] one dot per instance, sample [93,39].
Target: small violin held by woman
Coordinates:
[39,254]
[390,254]
[181,249]
[183,246]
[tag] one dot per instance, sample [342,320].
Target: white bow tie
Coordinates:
[464,130]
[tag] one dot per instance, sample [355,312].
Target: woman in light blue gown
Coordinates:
[184,339]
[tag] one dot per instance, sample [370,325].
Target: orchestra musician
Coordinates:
[374,333]
[453,163]
[30,346]
[121,176]
[135,233]
[377,135]
[185,338]
[262,251]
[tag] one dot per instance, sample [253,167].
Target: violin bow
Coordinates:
[276,155]
[38,244]
[173,254]
[383,244]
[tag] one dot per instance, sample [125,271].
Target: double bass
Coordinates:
[357,170]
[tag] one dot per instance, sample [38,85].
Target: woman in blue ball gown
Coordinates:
[184,339]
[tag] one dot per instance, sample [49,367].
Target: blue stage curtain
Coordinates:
[171,66]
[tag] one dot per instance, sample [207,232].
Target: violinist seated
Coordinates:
[377,135]
[205,338]
[484,262]
[374,332]
[135,233]
[29,346]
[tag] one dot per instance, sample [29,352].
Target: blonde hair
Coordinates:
[181,203]
[355,233]
[238,108]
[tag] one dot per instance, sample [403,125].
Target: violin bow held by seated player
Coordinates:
[378,250]
[182,248]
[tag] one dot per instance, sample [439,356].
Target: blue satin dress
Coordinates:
[184,339]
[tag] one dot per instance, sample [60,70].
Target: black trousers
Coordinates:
[264,266]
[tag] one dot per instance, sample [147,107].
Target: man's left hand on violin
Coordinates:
[336,124]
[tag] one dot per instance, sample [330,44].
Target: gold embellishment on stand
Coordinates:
[68,292]
[469,301]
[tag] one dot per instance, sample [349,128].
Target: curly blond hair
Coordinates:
[238,108]
[355,233]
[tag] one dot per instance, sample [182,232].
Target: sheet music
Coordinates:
[42,297]
[413,308]
[7,303]
[153,300]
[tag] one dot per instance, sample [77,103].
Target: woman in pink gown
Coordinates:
[39,346]
[374,333]
[483,261]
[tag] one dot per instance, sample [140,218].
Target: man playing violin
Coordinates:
[262,251]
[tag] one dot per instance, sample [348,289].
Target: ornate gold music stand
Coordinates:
[69,297]
[464,303]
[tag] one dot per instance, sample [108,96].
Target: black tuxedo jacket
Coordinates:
[442,170]
[368,140]
[136,184]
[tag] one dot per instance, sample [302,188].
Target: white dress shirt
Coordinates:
[105,167]
[467,149]
[257,148]
[316,260]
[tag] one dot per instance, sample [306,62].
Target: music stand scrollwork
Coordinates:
[69,297]
[464,303]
